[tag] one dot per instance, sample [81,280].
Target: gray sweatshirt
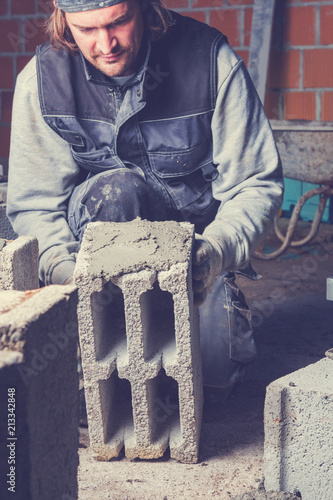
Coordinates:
[43,174]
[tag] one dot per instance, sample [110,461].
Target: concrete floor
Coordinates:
[294,327]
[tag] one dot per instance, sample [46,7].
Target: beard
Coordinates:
[125,61]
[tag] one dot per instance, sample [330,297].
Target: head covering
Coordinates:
[81,5]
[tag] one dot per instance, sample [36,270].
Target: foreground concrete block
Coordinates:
[139,338]
[19,264]
[39,394]
[299,432]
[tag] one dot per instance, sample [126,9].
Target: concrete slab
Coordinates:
[299,432]
[19,264]
[39,394]
[139,337]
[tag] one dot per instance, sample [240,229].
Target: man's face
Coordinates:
[109,38]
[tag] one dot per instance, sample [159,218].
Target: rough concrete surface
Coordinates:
[6,230]
[19,264]
[134,246]
[38,369]
[299,432]
[267,495]
[139,340]
[293,325]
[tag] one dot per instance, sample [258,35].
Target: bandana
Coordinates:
[81,5]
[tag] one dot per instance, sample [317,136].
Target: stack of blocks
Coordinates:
[38,379]
[139,338]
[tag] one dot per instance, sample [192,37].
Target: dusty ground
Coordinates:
[293,323]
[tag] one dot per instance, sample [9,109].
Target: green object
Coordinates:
[293,191]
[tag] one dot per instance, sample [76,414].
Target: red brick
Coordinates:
[177,4]
[326,27]
[247,26]
[21,62]
[10,35]
[240,2]
[6,73]
[272,104]
[6,106]
[327,106]
[299,106]
[3,8]
[227,21]
[244,54]
[284,69]
[199,15]
[299,26]
[23,7]
[4,141]
[45,6]
[318,68]
[207,3]
[33,33]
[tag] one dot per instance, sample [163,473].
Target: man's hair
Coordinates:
[157,20]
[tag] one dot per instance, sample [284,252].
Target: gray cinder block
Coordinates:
[6,230]
[139,338]
[299,432]
[39,392]
[19,264]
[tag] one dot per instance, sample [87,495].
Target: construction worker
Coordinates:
[133,111]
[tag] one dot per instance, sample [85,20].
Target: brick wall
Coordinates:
[300,79]
[300,76]
[21,23]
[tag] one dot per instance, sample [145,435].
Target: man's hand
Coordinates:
[207,264]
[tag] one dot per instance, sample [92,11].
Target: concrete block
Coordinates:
[39,394]
[139,337]
[19,264]
[6,229]
[299,432]
[3,192]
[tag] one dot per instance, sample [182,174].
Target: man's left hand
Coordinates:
[207,264]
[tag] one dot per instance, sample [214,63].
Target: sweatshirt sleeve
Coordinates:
[249,183]
[42,175]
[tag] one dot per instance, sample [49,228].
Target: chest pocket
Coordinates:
[98,160]
[180,155]
[86,148]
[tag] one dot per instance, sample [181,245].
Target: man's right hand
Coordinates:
[207,265]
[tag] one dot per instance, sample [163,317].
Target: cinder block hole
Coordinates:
[163,403]
[108,319]
[116,401]
[158,321]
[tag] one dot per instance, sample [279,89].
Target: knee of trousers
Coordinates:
[117,197]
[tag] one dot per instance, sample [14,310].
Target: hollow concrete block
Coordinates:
[19,264]
[39,394]
[139,337]
[299,432]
